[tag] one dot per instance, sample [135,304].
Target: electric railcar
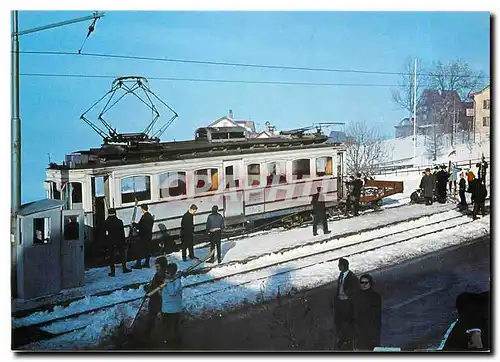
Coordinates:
[248,179]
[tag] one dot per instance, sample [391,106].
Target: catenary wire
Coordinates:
[217,63]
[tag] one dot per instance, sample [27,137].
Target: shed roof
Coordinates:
[39,206]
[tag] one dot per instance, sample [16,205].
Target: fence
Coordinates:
[407,169]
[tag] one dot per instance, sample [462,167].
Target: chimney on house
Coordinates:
[230,115]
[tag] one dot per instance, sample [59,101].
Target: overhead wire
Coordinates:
[231,64]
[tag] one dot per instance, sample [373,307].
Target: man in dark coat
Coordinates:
[145,227]
[461,191]
[116,241]
[154,304]
[427,184]
[214,226]
[442,180]
[367,316]
[319,212]
[357,184]
[472,329]
[478,194]
[347,288]
[187,232]
[349,198]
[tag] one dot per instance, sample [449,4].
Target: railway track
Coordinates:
[36,330]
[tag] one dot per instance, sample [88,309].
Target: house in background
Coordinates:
[481,122]
[404,128]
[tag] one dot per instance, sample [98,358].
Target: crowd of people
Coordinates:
[118,243]
[433,187]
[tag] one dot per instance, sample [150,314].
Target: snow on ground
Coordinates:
[402,149]
[230,296]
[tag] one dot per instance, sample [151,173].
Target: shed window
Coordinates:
[41,230]
[276,173]
[71,228]
[253,174]
[172,184]
[206,180]
[301,169]
[324,166]
[135,187]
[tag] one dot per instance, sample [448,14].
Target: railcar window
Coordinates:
[276,173]
[324,166]
[301,169]
[232,180]
[41,230]
[206,180]
[253,174]
[76,192]
[172,184]
[135,187]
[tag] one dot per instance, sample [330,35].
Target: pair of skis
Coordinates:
[163,285]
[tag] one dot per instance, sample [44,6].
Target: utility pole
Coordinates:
[415,113]
[16,119]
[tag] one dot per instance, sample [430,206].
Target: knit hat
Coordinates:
[162,262]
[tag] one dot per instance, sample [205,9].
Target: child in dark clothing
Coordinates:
[154,306]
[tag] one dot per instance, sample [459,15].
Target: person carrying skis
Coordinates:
[145,227]
[171,306]
[154,305]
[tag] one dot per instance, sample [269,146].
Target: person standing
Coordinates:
[461,191]
[187,232]
[427,184]
[154,305]
[171,306]
[478,195]
[347,287]
[116,241]
[357,184]
[319,212]
[367,315]
[349,197]
[214,226]
[484,168]
[145,227]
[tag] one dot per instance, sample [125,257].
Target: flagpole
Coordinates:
[415,113]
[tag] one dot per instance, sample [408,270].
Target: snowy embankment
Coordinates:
[232,296]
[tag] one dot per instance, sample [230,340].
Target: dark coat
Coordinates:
[155,299]
[215,221]
[318,204]
[473,312]
[428,184]
[367,319]
[351,286]
[357,184]
[478,191]
[461,185]
[145,227]
[187,227]
[115,231]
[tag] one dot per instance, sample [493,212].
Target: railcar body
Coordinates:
[249,180]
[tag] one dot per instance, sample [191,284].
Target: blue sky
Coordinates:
[377,41]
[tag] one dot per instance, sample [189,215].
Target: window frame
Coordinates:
[147,177]
[168,196]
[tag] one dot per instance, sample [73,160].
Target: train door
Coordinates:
[72,249]
[340,172]
[100,204]
[233,188]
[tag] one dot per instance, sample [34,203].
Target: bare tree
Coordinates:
[434,144]
[403,94]
[365,149]
[451,79]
